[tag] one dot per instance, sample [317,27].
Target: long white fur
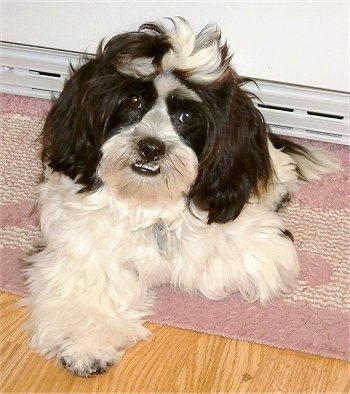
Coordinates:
[90,289]
[203,61]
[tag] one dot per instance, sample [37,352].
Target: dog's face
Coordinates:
[159,115]
[153,141]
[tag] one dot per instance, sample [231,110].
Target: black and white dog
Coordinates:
[158,170]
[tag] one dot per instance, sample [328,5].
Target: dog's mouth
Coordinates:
[146,168]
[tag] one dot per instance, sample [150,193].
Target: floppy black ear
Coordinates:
[70,143]
[75,128]
[235,163]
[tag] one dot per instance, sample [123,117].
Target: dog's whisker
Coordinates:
[174,166]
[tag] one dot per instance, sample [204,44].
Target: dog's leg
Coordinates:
[86,296]
[83,315]
[253,255]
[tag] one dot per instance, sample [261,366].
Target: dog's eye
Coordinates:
[186,117]
[134,101]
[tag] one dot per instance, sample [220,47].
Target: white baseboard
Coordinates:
[304,112]
[290,110]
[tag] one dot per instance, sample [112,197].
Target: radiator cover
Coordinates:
[290,110]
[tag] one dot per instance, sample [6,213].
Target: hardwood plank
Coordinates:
[173,360]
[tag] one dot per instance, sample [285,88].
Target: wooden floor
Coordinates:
[172,361]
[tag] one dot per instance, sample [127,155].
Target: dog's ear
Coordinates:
[69,140]
[76,126]
[235,163]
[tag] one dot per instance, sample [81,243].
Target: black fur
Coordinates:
[235,162]
[194,129]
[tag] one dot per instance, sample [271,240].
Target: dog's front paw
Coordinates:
[83,368]
[88,362]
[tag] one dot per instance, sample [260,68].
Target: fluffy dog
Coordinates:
[158,170]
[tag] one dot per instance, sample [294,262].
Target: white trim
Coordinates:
[291,110]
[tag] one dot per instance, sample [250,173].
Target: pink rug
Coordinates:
[315,318]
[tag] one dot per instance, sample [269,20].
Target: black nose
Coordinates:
[150,149]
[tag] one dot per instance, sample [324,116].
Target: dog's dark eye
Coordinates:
[186,117]
[134,101]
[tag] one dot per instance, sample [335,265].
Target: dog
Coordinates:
[158,170]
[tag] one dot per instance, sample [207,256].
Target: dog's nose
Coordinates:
[150,148]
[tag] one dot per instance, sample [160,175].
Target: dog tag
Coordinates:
[162,236]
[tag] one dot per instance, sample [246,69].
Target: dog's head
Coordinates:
[157,115]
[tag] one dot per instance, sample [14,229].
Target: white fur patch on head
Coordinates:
[141,67]
[166,83]
[201,57]
[198,55]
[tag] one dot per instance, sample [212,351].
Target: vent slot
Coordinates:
[52,93]
[275,107]
[330,116]
[45,73]
[281,126]
[322,133]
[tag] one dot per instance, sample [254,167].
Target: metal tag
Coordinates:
[162,236]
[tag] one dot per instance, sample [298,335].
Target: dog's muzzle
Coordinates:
[150,151]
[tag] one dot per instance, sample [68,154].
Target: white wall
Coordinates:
[301,42]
